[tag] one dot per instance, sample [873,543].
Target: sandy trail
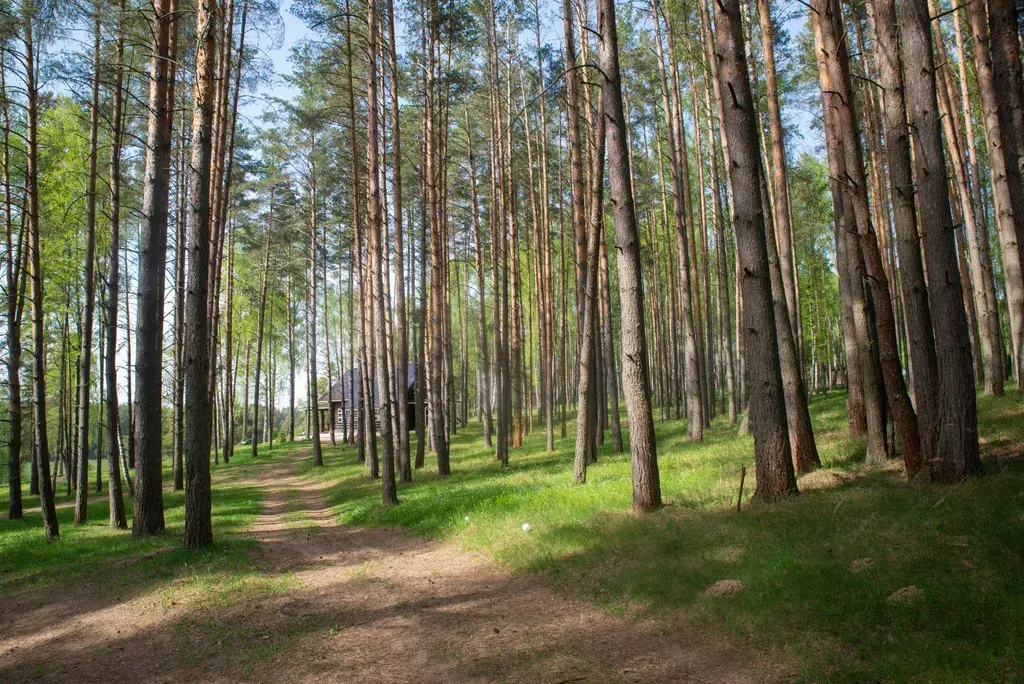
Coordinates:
[365,605]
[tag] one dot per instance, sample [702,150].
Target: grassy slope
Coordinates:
[961,546]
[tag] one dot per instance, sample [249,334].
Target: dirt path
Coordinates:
[364,605]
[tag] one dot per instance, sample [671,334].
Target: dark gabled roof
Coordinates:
[348,386]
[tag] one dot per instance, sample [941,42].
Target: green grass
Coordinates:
[93,548]
[962,546]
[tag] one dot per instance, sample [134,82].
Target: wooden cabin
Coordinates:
[344,397]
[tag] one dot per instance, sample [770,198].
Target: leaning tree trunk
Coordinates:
[773,462]
[845,125]
[585,416]
[916,309]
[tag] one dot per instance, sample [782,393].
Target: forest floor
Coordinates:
[332,602]
[864,577]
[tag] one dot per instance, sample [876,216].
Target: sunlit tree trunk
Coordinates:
[773,462]
[635,364]
[198,432]
[148,508]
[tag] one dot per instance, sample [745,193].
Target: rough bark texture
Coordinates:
[389,493]
[199,414]
[635,364]
[586,389]
[692,373]
[148,505]
[842,101]
[861,350]
[774,465]
[779,174]
[956,442]
[42,449]
[15,304]
[916,310]
[1007,82]
[116,500]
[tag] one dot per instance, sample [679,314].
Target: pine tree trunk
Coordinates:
[116,500]
[389,493]
[773,461]
[586,388]
[15,301]
[198,428]
[691,373]
[89,287]
[917,313]
[1007,86]
[979,271]
[261,313]
[478,253]
[148,509]
[956,445]
[401,330]
[635,364]
[779,175]
[42,449]
[178,415]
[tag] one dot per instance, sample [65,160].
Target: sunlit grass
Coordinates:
[93,548]
[805,604]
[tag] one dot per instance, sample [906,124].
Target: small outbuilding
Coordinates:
[344,400]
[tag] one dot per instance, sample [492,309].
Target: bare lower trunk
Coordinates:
[116,505]
[148,513]
[635,364]
[42,449]
[198,427]
[1007,82]
[389,493]
[774,465]
[912,280]
[956,445]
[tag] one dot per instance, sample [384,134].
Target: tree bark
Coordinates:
[1007,82]
[116,500]
[692,373]
[148,508]
[916,310]
[389,493]
[956,443]
[198,428]
[16,270]
[635,364]
[773,461]
[51,527]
